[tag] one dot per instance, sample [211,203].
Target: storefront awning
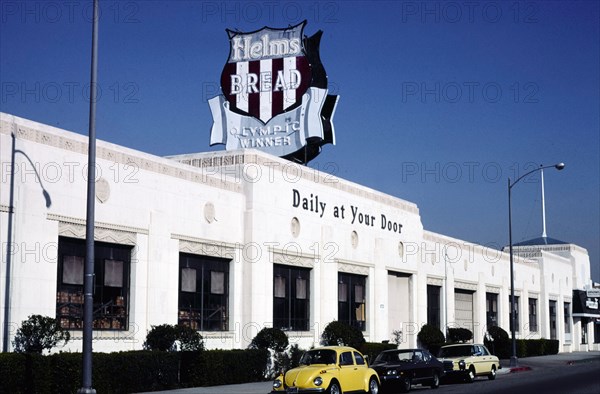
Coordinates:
[585,303]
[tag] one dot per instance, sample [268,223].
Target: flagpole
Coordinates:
[543,205]
[88,285]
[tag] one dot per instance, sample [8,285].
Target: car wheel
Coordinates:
[406,385]
[470,377]
[373,386]
[435,381]
[492,374]
[334,388]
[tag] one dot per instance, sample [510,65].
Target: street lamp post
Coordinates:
[513,358]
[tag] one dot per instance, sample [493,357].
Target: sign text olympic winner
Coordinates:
[275,95]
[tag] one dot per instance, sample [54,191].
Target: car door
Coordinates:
[349,374]
[429,369]
[418,365]
[361,369]
[487,359]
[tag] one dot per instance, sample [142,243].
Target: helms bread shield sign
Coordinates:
[275,95]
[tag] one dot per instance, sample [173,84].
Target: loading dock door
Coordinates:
[463,309]
[398,301]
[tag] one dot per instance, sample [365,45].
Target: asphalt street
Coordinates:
[525,365]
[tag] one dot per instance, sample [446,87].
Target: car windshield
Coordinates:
[318,356]
[394,357]
[456,351]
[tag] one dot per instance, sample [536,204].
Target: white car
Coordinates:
[468,361]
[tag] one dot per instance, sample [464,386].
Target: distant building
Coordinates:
[231,242]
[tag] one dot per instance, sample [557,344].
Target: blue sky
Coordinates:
[440,102]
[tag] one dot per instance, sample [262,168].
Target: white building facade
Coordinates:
[231,242]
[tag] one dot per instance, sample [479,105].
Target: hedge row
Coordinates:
[525,347]
[127,372]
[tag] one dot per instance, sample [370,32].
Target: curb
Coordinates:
[519,369]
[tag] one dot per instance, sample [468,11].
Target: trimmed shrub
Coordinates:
[275,341]
[189,339]
[372,349]
[551,346]
[127,372]
[521,347]
[498,342]
[338,333]
[287,360]
[164,336]
[225,366]
[161,338]
[295,355]
[270,338]
[536,347]
[459,335]
[431,338]
[39,333]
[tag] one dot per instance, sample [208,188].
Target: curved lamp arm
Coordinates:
[558,166]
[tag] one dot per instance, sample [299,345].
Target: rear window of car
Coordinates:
[346,358]
[359,359]
[456,351]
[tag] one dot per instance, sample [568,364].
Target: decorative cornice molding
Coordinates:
[222,159]
[206,247]
[492,289]
[353,268]
[294,259]
[73,142]
[104,232]
[465,285]
[435,281]
[110,226]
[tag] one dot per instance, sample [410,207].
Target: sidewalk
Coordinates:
[245,388]
[524,364]
[554,360]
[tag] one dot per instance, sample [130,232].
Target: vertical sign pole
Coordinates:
[88,285]
[9,248]
[513,358]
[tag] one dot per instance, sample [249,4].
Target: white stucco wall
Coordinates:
[249,207]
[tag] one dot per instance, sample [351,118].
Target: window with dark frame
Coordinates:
[516,312]
[203,292]
[433,305]
[567,317]
[552,313]
[291,297]
[351,300]
[491,302]
[533,324]
[111,284]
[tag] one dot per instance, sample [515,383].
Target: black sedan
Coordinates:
[400,369]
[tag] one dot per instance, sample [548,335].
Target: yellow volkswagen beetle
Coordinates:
[331,370]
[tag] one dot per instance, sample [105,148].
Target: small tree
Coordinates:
[39,333]
[337,333]
[164,336]
[161,337]
[189,339]
[459,335]
[398,338]
[431,338]
[498,342]
[275,341]
[270,338]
